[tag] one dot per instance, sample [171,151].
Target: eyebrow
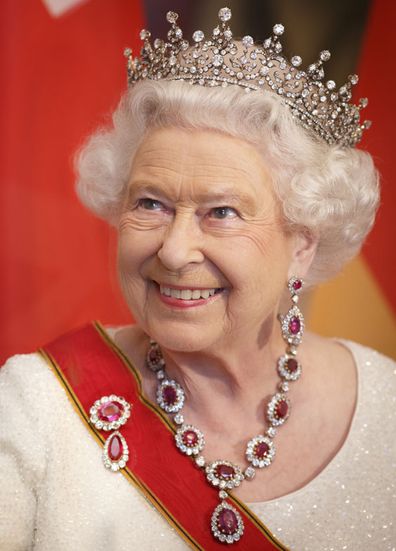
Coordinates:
[226,193]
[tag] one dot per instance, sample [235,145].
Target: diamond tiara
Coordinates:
[223,61]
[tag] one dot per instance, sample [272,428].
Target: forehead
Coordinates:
[200,160]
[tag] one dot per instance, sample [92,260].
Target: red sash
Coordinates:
[89,366]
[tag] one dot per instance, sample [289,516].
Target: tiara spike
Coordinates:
[224,14]
[278,29]
[220,60]
[172,17]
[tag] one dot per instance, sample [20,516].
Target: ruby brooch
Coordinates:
[226,521]
[111,413]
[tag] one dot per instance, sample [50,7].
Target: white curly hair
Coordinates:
[329,191]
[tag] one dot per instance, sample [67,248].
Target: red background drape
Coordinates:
[61,73]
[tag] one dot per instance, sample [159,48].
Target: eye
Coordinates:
[222,213]
[150,204]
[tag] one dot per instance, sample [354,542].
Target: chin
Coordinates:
[181,337]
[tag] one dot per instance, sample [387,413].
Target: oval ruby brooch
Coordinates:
[110,412]
[227,524]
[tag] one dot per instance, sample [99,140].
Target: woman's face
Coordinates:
[203,257]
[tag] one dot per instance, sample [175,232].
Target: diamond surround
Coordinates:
[115,464]
[170,406]
[251,451]
[229,481]
[116,419]
[184,435]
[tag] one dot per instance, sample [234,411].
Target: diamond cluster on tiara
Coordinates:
[221,61]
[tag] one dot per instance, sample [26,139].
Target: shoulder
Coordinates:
[30,392]
[344,353]
[29,372]
[376,389]
[373,367]
[23,364]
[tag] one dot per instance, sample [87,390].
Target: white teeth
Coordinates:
[187,294]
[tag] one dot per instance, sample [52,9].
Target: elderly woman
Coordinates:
[207,410]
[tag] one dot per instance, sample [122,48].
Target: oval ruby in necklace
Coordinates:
[170,396]
[261,449]
[190,438]
[281,409]
[278,409]
[226,472]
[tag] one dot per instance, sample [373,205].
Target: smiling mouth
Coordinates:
[188,294]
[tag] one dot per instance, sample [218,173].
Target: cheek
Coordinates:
[134,250]
[255,255]
[135,246]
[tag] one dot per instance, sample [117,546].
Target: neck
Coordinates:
[238,377]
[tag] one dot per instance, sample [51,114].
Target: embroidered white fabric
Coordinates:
[55,493]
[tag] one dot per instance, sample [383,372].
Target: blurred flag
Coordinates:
[361,303]
[62,67]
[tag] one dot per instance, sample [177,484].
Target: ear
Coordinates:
[304,247]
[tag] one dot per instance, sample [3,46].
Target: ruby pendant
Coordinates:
[115,452]
[226,523]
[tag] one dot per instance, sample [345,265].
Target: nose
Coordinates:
[182,243]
